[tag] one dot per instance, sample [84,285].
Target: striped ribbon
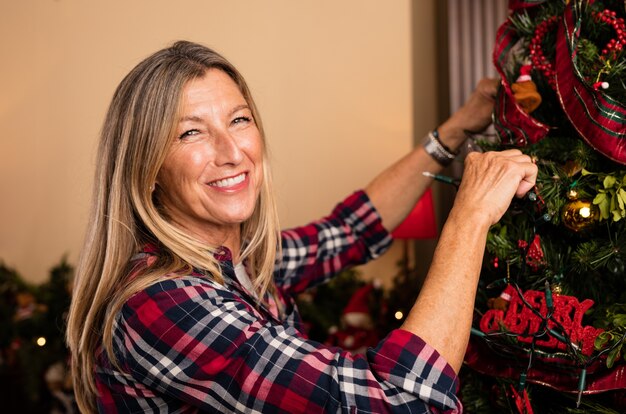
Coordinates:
[600,120]
[514,126]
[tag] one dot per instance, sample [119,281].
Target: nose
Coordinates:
[227,149]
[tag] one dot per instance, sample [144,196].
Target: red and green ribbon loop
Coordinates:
[600,120]
[514,126]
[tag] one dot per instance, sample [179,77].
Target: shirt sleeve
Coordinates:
[190,340]
[351,235]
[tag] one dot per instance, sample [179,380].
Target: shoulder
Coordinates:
[152,282]
[178,291]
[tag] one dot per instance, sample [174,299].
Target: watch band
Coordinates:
[437,150]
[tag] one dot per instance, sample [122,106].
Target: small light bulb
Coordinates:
[585,212]
[41,341]
[399,315]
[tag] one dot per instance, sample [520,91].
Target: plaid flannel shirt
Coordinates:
[189,344]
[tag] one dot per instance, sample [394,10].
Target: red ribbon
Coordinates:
[553,371]
[522,4]
[598,119]
[514,126]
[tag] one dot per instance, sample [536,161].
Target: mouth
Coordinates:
[229,182]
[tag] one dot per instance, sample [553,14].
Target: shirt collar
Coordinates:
[221,254]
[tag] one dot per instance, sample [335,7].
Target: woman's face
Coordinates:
[212,174]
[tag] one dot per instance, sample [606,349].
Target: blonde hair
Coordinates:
[125,214]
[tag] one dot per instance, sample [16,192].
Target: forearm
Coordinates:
[395,191]
[442,314]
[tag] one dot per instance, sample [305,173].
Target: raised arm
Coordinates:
[443,311]
[395,191]
[442,314]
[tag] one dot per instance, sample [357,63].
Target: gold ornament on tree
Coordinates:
[556,288]
[572,195]
[578,215]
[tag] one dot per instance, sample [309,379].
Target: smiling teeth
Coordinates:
[228,182]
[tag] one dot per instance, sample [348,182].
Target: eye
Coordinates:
[189,133]
[242,120]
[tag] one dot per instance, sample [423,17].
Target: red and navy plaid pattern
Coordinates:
[189,344]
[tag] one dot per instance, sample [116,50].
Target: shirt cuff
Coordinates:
[408,362]
[360,214]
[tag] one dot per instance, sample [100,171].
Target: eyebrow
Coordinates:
[196,118]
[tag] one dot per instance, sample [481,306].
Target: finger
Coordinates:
[514,152]
[516,156]
[520,158]
[529,179]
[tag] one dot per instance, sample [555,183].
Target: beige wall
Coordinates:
[332,79]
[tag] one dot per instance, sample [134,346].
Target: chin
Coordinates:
[239,218]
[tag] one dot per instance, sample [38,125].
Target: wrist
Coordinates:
[437,150]
[451,136]
[461,216]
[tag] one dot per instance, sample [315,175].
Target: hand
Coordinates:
[473,116]
[490,181]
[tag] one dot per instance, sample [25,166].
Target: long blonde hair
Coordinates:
[125,213]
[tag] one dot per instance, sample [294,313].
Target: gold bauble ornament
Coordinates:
[578,215]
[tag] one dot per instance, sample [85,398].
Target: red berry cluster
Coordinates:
[615,45]
[538,59]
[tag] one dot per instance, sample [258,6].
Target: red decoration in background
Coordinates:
[522,402]
[357,331]
[421,222]
[521,320]
[552,371]
[534,255]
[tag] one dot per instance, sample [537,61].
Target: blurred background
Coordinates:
[344,88]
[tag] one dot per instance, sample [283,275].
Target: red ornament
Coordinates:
[534,254]
[598,85]
[521,320]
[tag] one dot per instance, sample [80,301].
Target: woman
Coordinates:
[183,294]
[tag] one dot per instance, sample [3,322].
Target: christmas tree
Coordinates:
[34,376]
[550,318]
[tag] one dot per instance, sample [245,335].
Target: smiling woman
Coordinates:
[184,292]
[211,177]
[159,185]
